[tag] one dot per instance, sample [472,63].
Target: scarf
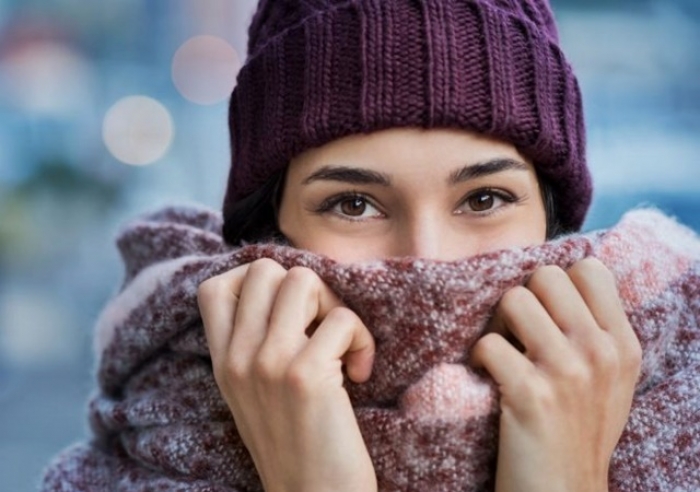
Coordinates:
[430,423]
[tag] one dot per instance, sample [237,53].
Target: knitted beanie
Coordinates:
[318,70]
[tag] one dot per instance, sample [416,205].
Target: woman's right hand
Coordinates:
[278,340]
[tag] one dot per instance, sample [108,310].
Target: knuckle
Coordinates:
[514,297]
[536,394]
[487,344]
[546,273]
[591,269]
[209,288]
[343,316]
[265,266]
[302,276]
[607,358]
[229,374]
[235,369]
[299,378]
[544,276]
[265,368]
[482,350]
[594,264]
[576,375]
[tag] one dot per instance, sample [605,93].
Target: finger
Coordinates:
[257,298]
[597,286]
[498,325]
[302,299]
[598,289]
[521,314]
[557,293]
[500,359]
[342,335]
[217,298]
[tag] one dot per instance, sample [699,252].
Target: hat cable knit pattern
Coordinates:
[319,70]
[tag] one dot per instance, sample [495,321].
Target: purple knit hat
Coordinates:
[318,70]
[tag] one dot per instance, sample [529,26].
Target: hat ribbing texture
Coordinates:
[319,70]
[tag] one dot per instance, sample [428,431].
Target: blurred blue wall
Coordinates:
[64,64]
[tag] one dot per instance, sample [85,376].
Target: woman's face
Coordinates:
[440,194]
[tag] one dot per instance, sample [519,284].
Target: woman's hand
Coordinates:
[566,398]
[278,340]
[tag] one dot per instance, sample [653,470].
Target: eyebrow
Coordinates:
[356,175]
[346,174]
[486,168]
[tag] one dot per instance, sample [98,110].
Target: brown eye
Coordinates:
[350,206]
[354,207]
[481,202]
[484,201]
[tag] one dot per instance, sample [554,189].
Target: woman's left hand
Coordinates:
[566,395]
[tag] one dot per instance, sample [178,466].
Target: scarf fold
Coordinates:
[429,421]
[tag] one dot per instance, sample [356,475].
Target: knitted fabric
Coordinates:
[318,70]
[429,422]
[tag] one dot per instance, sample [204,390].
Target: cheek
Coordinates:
[312,233]
[307,234]
[343,249]
[514,238]
[528,228]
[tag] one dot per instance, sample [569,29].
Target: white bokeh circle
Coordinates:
[138,130]
[204,69]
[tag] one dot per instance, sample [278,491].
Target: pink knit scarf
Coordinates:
[429,422]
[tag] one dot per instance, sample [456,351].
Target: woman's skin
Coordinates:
[441,194]
[560,348]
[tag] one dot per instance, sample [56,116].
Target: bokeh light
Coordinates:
[37,328]
[46,78]
[138,130]
[204,69]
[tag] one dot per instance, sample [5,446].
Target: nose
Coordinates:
[431,238]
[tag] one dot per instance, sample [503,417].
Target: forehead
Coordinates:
[400,150]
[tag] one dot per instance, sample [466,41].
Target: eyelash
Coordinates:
[507,197]
[330,203]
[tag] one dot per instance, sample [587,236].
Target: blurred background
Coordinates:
[112,108]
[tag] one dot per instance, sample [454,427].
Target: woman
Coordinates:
[366,130]
[422,332]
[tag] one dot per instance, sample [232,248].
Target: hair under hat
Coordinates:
[319,70]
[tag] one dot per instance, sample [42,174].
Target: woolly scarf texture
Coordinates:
[430,423]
